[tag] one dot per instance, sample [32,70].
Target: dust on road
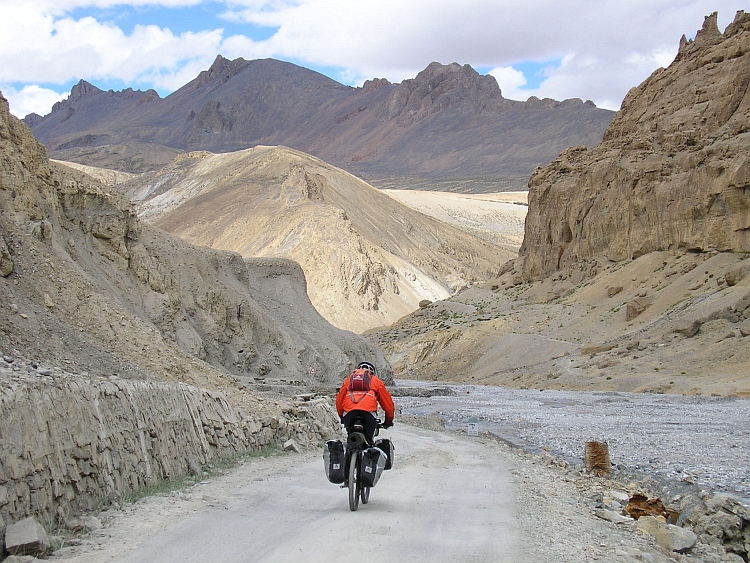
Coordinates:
[447,499]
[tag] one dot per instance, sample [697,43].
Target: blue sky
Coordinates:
[589,49]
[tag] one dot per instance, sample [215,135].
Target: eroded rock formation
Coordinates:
[121,293]
[673,170]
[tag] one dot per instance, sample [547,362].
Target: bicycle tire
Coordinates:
[354,483]
[365,495]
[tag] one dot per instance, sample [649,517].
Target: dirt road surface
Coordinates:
[447,499]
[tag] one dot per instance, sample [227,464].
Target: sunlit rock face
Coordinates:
[672,172]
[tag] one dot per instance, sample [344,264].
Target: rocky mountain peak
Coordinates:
[221,70]
[672,173]
[81,89]
[374,84]
[439,86]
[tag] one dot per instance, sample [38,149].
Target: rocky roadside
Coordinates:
[565,514]
[674,458]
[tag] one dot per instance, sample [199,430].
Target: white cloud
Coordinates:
[511,81]
[31,99]
[607,46]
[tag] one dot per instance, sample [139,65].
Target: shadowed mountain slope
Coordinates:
[449,121]
[368,259]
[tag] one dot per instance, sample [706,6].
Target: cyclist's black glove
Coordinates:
[387,423]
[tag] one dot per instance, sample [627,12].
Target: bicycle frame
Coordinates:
[356,443]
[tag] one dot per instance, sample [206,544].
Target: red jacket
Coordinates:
[347,401]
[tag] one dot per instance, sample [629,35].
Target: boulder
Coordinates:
[612,291]
[735,275]
[650,524]
[6,261]
[640,505]
[689,330]
[721,520]
[26,537]
[674,538]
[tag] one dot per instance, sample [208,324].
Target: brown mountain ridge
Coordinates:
[449,121]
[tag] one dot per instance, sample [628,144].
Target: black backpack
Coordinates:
[334,456]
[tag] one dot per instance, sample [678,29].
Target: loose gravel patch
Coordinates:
[681,440]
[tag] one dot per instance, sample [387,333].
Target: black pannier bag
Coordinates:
[388,449]
[373,463]
[334,455]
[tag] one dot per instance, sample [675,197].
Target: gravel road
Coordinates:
[687,439]
[451,497]
[447,499]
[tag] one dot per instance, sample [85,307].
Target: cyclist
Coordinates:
[359,397]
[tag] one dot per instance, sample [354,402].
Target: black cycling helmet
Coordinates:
[366,365]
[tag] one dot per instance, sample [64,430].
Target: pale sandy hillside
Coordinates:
[663,323]
[368,259]
[497,217]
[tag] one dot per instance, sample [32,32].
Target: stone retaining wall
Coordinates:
[71,443]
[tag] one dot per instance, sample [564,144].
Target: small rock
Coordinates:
[674,538]
[92,523]
[48,301]
[20,559]
[689,330]
[596,349]
[291,446]
[620,496]
[743,304]
[633,309]
[74,524]
[612,291]
[26,537]
[424,303]
[612,516]
[649,524]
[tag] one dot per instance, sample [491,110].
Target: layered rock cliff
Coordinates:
[673,170]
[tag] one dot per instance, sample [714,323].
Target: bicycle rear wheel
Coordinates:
[365,495]
[354,484]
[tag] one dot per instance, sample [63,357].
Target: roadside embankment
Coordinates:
[72,443]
